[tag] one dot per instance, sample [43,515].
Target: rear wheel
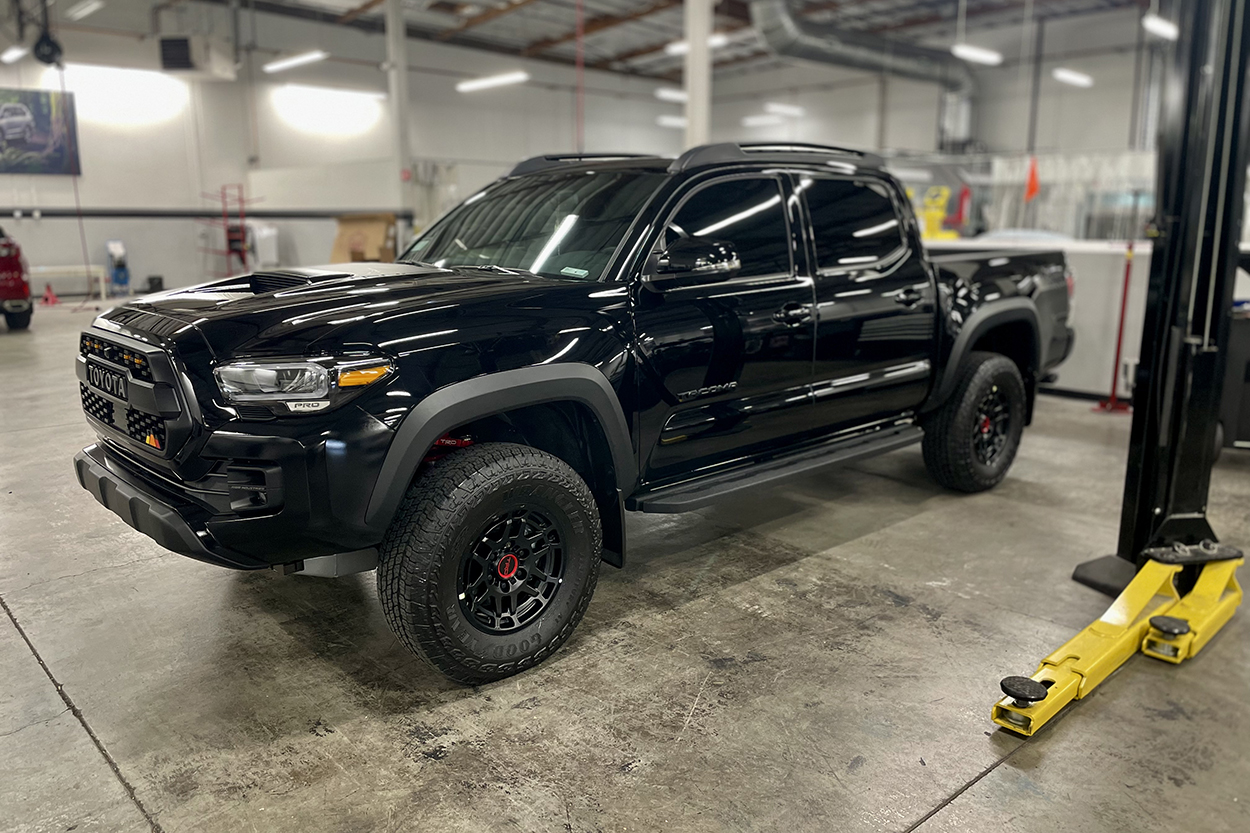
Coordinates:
[17,320]
[490,561]
[971,441]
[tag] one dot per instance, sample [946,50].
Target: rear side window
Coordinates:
[745,212]
[854,223]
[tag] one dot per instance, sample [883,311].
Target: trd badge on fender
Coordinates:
[108,381]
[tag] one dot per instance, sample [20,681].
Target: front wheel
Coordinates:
[490,561]
[971,440]
[17,320]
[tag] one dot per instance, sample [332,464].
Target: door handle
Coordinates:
[908,297]
[793,314]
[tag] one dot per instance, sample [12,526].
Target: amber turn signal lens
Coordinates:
[358,376]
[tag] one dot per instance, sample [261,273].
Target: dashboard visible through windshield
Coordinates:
[562,225]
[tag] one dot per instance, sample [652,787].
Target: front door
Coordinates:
[876,303]
[726,365]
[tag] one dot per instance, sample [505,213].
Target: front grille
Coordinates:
[148,429]
[95,405]
[136,362]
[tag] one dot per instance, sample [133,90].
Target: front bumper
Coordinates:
[265,501]
[247,492]
[131,500]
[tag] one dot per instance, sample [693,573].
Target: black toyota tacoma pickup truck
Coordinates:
[584,337]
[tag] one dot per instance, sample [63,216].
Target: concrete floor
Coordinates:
[819,658]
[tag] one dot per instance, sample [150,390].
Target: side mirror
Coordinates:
[693,260]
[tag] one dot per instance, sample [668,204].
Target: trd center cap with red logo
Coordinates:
[507,565]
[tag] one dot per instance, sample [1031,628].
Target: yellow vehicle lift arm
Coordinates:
[1150,615]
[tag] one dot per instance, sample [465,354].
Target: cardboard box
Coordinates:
[364,238]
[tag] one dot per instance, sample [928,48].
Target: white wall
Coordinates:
[844,107]
[232,132]
[1069,118]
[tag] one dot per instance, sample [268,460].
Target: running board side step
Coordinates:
[686,497]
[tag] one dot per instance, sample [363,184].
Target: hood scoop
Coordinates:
[278,279]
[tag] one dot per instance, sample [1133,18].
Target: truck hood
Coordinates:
[287,312]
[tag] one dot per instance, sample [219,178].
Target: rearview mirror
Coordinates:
[692,260]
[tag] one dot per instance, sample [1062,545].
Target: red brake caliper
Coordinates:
[985,424]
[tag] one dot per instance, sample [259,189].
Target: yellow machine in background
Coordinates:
[932,216]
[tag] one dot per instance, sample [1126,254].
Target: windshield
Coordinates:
[559,225]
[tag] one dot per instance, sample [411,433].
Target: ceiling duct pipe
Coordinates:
[826,44]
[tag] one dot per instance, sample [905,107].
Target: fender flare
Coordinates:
[494,393]
[978,324]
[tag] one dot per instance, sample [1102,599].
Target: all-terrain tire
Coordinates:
[440,531]
[955,435]
[17,320]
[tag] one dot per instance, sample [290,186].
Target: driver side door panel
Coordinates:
[726,365]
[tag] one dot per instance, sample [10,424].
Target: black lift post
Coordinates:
[1202,157]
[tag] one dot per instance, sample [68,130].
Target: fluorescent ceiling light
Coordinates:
[1070,76]
[678,122]
[671,94]
[716,40]
[778,109]
[762,120]
[977,54]
[475,84]
[81,10]
[13,54]
[296,61]
[1161,27]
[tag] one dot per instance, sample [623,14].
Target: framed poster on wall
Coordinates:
[38,132]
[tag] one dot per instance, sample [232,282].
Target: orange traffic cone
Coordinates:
[49,297]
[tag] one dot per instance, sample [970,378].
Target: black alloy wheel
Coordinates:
[992,427]
[513,571]
[491,560]
[971,439]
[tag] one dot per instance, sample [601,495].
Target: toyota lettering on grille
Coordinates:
[106,381]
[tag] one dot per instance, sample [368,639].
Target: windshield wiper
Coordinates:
[497,269]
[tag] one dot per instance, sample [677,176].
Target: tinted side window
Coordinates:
[853,222]
[745,212]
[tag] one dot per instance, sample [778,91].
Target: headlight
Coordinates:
[299,386]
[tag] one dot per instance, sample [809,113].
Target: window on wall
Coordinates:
[854,223]
[747,213]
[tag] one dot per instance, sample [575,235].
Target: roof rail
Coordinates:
[799,147]
[555,160]
[729,152]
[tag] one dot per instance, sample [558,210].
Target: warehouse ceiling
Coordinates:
[630,35]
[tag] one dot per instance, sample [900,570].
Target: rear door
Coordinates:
[726,365]
[875,301]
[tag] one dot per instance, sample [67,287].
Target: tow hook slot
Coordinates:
[254,488]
